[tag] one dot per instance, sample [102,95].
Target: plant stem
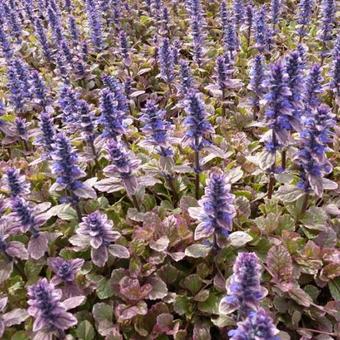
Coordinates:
[197,169]
[283,159]
[271,185]
[303,208]
[135,202]
[171,182]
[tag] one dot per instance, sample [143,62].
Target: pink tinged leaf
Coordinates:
[80,242]
[119,251]
[6,269]
[99,256]
[70,290]
[38,246]
[161,244]
[2,328]
[73,302]
[109,185]
[130,185]
[125,312]
[226,308]
[43,336]
[17,249]
[15,317]
[3,303]
[96,242]
[64,320]
[132,290]
[159,288]
[85,191]
[300,296]
[203,231]
[163,324]
[38,324]
[280,264]
[195,212]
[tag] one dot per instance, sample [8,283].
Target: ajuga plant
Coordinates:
[94,19]
[166,62]
[158,135]
[198,129]
[111,116]
[197,23]
[311,156]
[244,290]
[262,34]
[114,190]
[216,209]
[68,173]
[95,231]
[258,325]
[304,17]
[278,115]
[256,83]
[50,314]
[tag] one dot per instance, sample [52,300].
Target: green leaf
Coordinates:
[193,283]
[85,331]
[239,238]
[63,211]
[197,250]
[288,193]
[315,218]
[211,305]
[334,287]
[182,305]
[104,289]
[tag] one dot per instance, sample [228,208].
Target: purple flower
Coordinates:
[197,23]
[11,249]
[295,82]
[335,72]
[230,39]
[5,44]
[328,13]
[65,273]
[196,122]
[38,89]
[275,11]
[118,91]
[216,208]
[111,117]
[279,116]
[64,270]
[124,166]
[96,231]
[311,156]
[29,218]
[95,24]
[222,73]
[187,82]
[69,104]
[258,325]
[21,127]
[313,88]
[42,38]
[73,29]
[49,313]
[67,171]
[87,121]
[305,13]
[15,184]
[249,19]
[156,128]
[124,47]
[47,132]
[55,24]
[166,61]
[262,36]
[244,291]
[257,80]
[238,10]
[10,13]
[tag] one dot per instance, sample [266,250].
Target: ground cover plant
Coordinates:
[169,169]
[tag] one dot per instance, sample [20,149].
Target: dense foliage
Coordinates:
[169,169]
